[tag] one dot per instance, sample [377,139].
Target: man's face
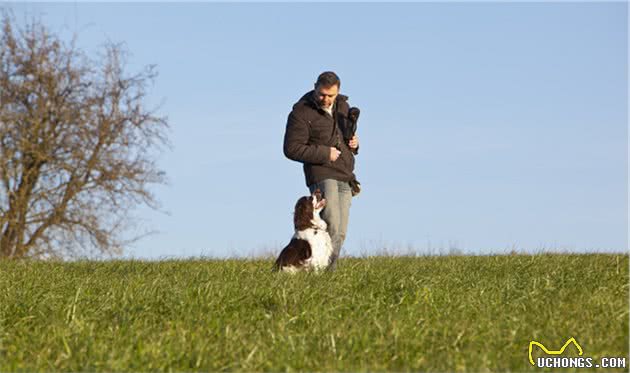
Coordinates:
[325,96]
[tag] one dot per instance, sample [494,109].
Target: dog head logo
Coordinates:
[553,352]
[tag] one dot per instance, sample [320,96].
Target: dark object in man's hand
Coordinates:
[350,130]
[355,186]
[353,115]
[348,124]
[351,125]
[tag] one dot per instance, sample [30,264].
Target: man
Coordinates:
[314,137]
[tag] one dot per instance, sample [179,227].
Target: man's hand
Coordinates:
[354,142]
[334,154]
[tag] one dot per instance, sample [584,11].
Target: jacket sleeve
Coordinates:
[296,146]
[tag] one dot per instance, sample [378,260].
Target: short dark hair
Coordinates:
[328,79]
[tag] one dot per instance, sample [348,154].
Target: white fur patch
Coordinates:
[321,245]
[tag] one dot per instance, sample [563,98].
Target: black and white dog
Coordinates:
[310,247]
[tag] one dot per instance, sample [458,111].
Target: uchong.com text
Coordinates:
[580,362]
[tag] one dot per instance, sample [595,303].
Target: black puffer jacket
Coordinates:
[310,133]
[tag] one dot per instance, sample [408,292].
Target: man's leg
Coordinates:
[331,213]
[345,200]
[336,214]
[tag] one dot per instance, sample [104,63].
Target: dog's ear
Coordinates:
[303,214]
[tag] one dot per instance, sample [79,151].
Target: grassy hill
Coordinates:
[440,313]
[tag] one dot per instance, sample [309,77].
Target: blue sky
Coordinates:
[484,127]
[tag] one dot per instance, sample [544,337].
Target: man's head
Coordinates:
[327,89]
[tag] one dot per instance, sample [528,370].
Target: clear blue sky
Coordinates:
[484,126]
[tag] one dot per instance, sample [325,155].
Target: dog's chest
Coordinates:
[321,246]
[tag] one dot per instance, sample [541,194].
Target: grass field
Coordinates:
[434,313]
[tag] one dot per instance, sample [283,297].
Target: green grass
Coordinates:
[442,313]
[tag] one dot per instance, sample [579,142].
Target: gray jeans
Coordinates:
[338,200]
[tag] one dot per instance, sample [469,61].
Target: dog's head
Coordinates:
[308,208]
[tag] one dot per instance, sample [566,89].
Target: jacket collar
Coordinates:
[309,98]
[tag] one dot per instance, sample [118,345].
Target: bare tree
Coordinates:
[77,145]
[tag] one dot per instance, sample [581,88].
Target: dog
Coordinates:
[310,247]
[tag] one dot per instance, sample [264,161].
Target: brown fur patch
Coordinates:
[294,254]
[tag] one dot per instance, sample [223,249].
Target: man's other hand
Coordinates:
[354,142]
